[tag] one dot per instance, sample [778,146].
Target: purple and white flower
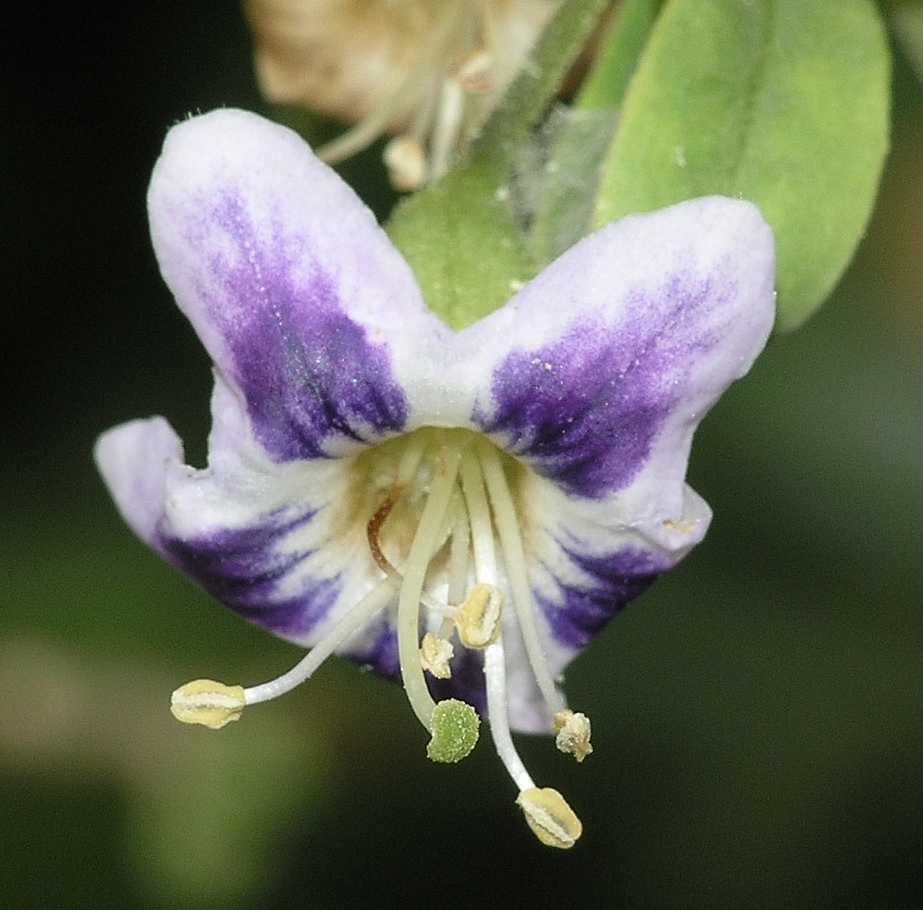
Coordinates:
[373,476]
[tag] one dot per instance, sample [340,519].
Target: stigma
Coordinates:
[445,540]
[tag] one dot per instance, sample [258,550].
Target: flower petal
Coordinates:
[621,346]
[133,459]
[618,350]
[584,566]
[274,542]
[583,569]
[301,300]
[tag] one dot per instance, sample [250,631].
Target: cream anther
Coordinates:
[552,821]
[573,729]
[435,654]
[405,160]
[476,73]
[478,618]
[209,703]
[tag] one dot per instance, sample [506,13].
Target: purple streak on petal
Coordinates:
[585,409]
[580,611]
[308,372]
[467,682]
[241,568]
[382,657]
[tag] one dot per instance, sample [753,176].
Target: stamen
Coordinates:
[411,457]
[486,27]
[482,532]
[552,821]
[206,702]
[449,520]
[458,555]
[405,155]
[478,619]
[547,813]
[422,122]
[408,611]
[367,130]
[458,565]
[435,654]
[475,74]
[352,622]
[495,672]
[447,128]
[573,734]
[514,557]
[406,163]
[370,128]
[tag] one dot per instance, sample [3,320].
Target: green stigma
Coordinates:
[455,731]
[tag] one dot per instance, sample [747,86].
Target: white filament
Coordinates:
[408,609]
[515,561]
[495,671]
[494,656]
[482,532]
[351,623]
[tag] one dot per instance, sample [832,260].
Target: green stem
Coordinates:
[618,57]
[529,96]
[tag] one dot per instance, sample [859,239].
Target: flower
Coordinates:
[427,73]
[373,475]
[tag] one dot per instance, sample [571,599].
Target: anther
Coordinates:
[478,618]
[455,726]
[573,729]
[435,654]
[406,163]
[552,821]
[209,703]
[475,74]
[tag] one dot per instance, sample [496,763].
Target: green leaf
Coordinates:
[783,102]
[461,235]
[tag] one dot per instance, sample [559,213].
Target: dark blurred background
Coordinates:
[757,715]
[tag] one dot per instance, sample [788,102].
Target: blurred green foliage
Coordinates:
[756,714]
[906,19]
[781,102]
